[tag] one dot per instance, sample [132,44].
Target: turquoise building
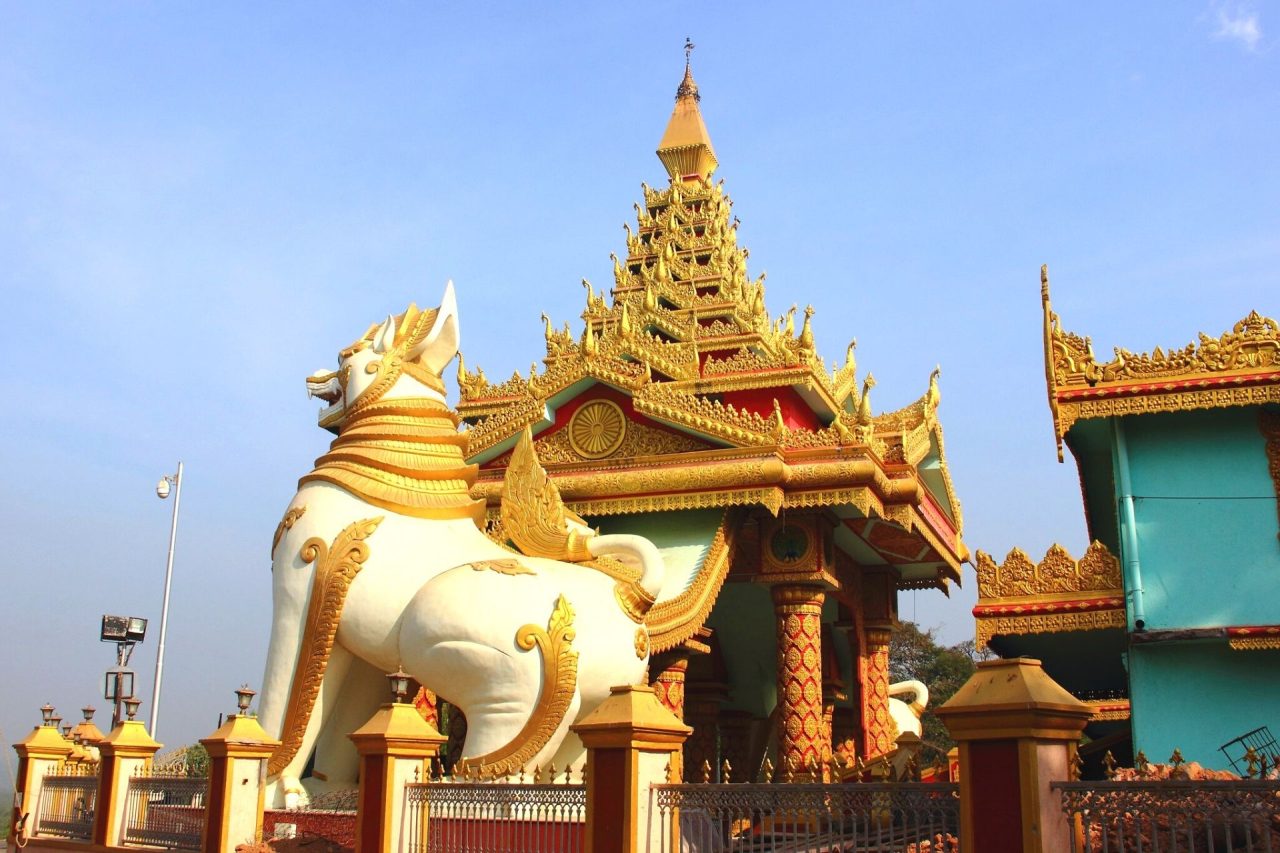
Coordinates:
[1170,624]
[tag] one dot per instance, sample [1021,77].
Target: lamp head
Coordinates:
[399,683]
[162,488]
[244,698]
[131,706]
[46,713]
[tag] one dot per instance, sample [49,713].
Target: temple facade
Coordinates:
[1168,624]
[789,514]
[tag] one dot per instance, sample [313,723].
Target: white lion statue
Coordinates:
[380,562]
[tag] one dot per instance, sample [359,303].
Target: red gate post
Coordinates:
[632,742]
[395,747]
[1018,730]
[125,751]
[39,754]
[238,753]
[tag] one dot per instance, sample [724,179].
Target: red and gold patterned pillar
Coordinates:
[798,609]
[669,688]
[702,712]
[877,725]
[844,741]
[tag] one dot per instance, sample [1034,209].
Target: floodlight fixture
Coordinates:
[123,629]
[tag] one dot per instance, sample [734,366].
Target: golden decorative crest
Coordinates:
[291,516]
[1097,571]
[1238,368]
[597,429]
[642,643]
[502,567]
[559,680]
[336,566]
[533,515]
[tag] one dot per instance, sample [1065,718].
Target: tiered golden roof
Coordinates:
[725,404]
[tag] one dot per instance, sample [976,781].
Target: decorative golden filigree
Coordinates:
[597,429]
[533,515]
[1097,571]
[639,440]
[559,680]
[502,567]
[1243,644]
[1269,424]
[1141,383]
[1048,623]
[642,643]
[291,516]
[336,566]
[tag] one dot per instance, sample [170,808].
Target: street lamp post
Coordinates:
[162,491]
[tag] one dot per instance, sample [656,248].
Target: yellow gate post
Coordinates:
[39,753]
[631,742]
[1018,730]
[395,747]
[125,751]
[238,753]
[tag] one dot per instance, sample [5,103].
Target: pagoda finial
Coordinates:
[685,148]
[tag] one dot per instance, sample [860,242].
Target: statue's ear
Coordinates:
[384,339]
[438,347]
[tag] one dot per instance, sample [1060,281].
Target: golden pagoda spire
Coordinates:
[685,148]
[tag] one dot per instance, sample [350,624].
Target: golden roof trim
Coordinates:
[674,621]
[1018,578]
[1241,367]
[1047,623]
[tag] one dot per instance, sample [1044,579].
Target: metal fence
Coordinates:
[471,817]
[867,817]
[67,800]
[164,809]
[1187,816]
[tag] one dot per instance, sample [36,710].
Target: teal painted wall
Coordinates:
[1198,696]
[1206,519]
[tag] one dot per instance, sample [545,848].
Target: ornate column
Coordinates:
[877,725]
[798,610]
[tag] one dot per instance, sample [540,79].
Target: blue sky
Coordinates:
[200,204]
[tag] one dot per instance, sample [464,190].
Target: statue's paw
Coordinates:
[295,796]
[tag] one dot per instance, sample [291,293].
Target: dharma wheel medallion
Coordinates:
[597,429]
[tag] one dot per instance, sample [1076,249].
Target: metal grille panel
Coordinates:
[868,817]
[1189,816]
[67,801]
[467,817]
[165,810]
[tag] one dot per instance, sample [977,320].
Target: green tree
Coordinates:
[196,759]
[916,654]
